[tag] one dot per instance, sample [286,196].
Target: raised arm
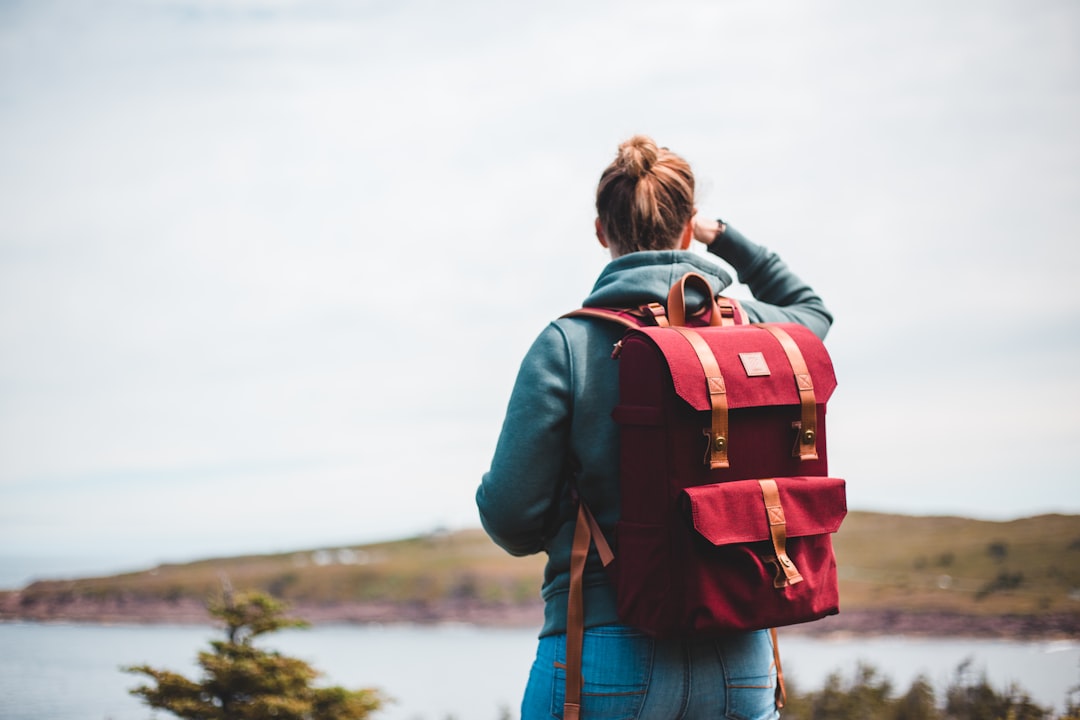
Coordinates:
[779,294]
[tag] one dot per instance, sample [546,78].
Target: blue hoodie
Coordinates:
[558,424]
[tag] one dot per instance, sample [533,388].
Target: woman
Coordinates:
[558,425]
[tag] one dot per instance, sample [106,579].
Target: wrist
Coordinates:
[706,231]
[715,231]
[721,241]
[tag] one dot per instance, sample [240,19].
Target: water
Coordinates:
[69,672]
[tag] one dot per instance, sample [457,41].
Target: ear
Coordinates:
[600,233]
[687,236]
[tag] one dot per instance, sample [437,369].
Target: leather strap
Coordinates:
[598,539]
[788,574]
[676,300]
[740,313]
[586,532]
[657,312]
[651,314]
[575,616]
[731,312]
[781,691]
[717,454]
[602,314]
[806,440]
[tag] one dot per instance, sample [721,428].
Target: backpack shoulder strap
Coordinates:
[643,316]
[586,533]
[731,312]
[602,314]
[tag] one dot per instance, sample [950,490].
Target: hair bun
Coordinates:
[637,155]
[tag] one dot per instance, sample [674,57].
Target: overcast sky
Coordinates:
[267,268]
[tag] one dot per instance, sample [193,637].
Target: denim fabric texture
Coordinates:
[629,675]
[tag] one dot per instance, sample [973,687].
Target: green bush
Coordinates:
[243,682]
[868,696]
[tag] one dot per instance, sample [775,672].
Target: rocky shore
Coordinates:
[14,607]
[1061,626]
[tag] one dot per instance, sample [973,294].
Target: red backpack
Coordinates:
[727,509]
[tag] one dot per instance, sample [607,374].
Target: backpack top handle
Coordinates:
[676,300]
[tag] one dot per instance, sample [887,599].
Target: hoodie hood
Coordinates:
[646,276]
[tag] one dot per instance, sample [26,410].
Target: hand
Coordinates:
[706,229]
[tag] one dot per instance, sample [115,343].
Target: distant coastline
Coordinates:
[855,622]
[899,575]
[62,608]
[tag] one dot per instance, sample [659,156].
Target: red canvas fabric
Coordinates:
[693,546]
[726,344]
[726,513]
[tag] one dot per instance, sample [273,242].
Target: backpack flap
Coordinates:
[755,366]
[736,512]
[724,369]
[759,553]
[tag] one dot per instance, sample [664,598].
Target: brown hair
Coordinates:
[645,197]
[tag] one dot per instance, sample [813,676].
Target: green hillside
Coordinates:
[894,563]
[465,565]
[897,562]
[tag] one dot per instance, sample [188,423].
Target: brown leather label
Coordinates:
[754,364]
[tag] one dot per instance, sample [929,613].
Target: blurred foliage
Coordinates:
[867,695]
[242,682]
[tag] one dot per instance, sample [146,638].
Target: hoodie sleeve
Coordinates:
[519,494]
[779,294]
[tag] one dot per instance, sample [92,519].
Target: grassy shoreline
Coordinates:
[899,574]
[1063,626]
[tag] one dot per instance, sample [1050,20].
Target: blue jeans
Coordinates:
[630,675]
